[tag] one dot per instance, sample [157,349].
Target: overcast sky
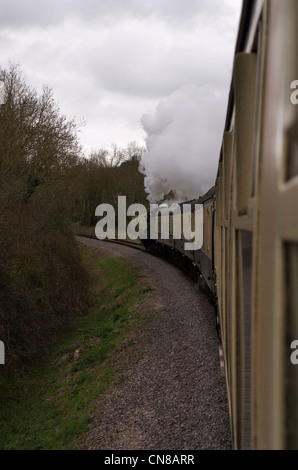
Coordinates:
[112,62]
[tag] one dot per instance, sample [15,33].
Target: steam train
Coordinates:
[249,257]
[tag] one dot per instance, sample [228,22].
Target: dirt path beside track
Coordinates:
[174,396]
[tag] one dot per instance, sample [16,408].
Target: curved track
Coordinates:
[173,396]
[130,243]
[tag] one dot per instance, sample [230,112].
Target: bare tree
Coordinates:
[41,279]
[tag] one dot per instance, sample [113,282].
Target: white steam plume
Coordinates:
[183,143]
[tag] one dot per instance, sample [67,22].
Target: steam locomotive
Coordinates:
[249,256]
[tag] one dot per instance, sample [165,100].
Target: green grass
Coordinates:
[49,407]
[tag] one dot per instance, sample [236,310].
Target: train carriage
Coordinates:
[249,257]
[256,254]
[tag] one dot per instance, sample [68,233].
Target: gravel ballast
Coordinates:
[174,396]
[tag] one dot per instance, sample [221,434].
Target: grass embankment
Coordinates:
[50,407]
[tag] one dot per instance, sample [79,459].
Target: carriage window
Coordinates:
[291,334]
[227,159]
[291,137]
[292,166]
[259,49]
[244,241]
[247,88]
[245,110]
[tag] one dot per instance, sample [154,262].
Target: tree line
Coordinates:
[47,185]
[105,175]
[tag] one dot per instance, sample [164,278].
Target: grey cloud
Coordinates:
[42,13]
[176,11]
[146,59]
[19,13]
[110,61]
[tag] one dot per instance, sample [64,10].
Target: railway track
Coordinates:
[138,246]
[170,378]
[130,243]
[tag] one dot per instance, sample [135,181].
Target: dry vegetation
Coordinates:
[47,185]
